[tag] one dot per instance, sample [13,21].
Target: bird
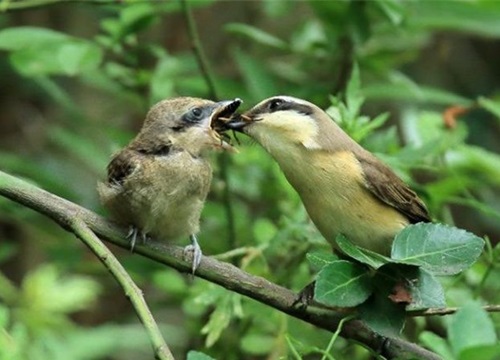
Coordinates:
[158,183]
[345,188]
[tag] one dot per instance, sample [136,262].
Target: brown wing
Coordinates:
[125,162]
[121,166]
[389,188]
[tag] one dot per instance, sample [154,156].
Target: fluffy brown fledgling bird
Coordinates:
[159,182]
[345,188]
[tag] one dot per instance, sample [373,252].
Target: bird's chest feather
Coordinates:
[166,194]
[174,177]
[331,186]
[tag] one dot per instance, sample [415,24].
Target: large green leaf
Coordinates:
[438,248]
[470,327]
[342,283]
[364,256]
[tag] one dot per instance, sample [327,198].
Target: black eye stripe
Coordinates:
[283,105]
[275,104]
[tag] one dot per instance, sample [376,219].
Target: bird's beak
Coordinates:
[223,113]
[238,122]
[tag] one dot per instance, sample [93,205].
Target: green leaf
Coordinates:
[18,38]
[226,308]
[4,316]
[364,256]
[469,327]
[490,105]
[400,281]
[485,352]
[353,97]
[38,51]
[392,9]
[163,79]
[264,230]
[77,57]
[137,17]
[382,315]
[484,164]
[258,344]
[342,283]
[257,35]
[426,291]
[412,93]
[196,355]
[439,249]
[318,260]
[45,290]
[437,344]
[64,58]
[474,17]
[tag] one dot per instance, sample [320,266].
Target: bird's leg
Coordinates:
[132,235]
[196,250]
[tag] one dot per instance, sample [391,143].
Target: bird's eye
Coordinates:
[275,104]
[197,112]
[194,115]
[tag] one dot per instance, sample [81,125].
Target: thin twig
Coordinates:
[130,289]
[226,275]
[198,50]
[223,159]
[449,310]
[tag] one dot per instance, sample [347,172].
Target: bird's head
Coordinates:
[281,122]
[187,123]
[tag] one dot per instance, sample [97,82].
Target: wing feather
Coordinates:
[389,188]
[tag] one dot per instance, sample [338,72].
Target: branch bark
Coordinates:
[224,274]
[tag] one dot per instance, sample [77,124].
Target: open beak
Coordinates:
[223,114]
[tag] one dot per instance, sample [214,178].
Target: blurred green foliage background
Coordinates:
[77,78]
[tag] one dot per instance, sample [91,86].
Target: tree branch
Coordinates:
[224,274]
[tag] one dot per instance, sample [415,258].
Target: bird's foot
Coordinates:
[196,250]
[133,232]
[305,297]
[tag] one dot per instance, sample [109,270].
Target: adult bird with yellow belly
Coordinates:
[345,188]
[159,182]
